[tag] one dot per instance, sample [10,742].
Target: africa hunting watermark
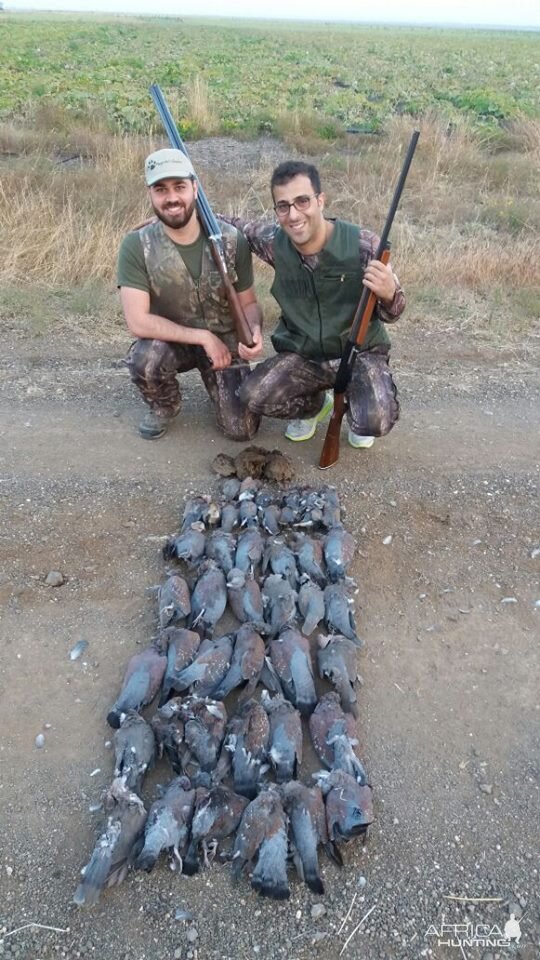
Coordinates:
[469,934]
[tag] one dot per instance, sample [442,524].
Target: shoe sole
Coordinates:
[360,446]
[327,408]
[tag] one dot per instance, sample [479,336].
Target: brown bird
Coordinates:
[209,668]
[334,736]
[111,859]
[250,462]
[337,663]
[246,664]
[291,659]
[141,683]
[247,742]
[285,742]
[262,836]
[307,816]
[224,465]
[278,467]
[168,823]
[349,805]
[134,750]
[217,814]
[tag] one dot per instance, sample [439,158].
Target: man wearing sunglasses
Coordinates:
[321,266]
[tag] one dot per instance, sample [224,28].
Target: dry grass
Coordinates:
[468,229]
[201,115]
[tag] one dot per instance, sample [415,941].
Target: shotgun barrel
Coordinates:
[208,220]
[364,312]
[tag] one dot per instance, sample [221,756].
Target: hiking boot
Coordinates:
[153,427]
[304,429]
[358,442]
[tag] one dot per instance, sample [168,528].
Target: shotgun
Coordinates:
[209,223]
[360,324]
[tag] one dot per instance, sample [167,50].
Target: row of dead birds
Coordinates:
[271,822]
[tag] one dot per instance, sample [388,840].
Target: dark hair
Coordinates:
[295,168]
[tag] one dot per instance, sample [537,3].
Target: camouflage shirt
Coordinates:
[260,235]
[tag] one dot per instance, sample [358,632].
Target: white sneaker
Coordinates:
[304,429]
[360,443]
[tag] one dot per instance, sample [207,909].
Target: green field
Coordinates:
[341,75]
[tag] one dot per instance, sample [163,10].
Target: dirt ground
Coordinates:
[449,609]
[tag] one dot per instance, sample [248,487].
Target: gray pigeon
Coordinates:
[134,750]
[111,858]
[337,663]
[310,605]
[249,551]
[168,727]
[209,597]
[309,557]
[333,733]
[209,668]
[245,598]
[270,518]
[230,488]
[279,600]
[331,509]
[182,649]
[246,664]
[339,547]
[141,683]
[221,547]
[349,805]
[281,560]
[167,826]
[338,613]
[229,517]
[291,659]
[194,511]
[262,836]
[249,515]
[285,743]
[247,742]
[305,809]
[173,600]
[188,546]
[217,814]
[205,721]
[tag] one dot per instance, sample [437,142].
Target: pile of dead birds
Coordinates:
[278,560]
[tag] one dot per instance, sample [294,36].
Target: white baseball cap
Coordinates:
[167,163]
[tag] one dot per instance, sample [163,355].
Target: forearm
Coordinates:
[390,312]
[254,315]
[258,233]
[153,327]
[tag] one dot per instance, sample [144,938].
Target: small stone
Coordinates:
[39,741]
[178,953]
[387,540]
[192,935]
[362,881]
[54,578]
[9,870]
[509,600]
[486,788]
[318,910]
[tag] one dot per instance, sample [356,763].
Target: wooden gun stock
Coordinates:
[330,451]
[241,324]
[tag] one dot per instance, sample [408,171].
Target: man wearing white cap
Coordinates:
[174,304]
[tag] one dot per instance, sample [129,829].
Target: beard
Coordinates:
[175,220]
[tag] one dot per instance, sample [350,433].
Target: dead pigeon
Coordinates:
[285,742]
[111,858]
[218,812]
[339,547]
[167,826]
[250,462]
[229,517]
[211,515]
[208,669]
[221,547]
[230,488]
[246,664]
[279,600]
[349,806]
[278,467]
[174,601]
[224,465]
[249,551]
[182,648]
[141,683]
[331,509]
[309,558]
[205,722]
[245,598]
[194,511]
[134,750]
[247,742]
[262,836]
[337,663]
[291,659]
[334,736]
[307,816]
[249,488]
[209,598]
[248,514]
[187,546]
[270,518]
[310,605]
[281,560]
[338,616]
[265,496]
[168,727]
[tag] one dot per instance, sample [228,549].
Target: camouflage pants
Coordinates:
[153,365]
[292,388]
